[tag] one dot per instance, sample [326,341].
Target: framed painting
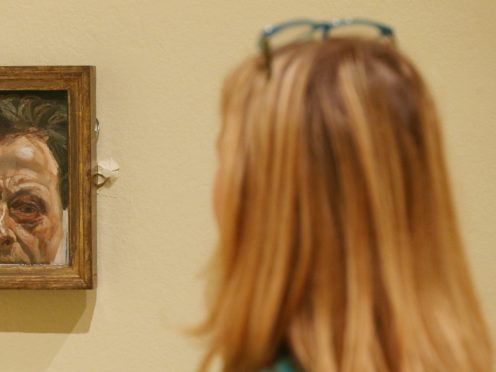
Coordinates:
[47,163]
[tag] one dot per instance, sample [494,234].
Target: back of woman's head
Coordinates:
[338,239]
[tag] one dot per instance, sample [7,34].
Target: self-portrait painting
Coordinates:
[33,178]
[47,170]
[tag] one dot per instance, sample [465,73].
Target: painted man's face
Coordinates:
[30,205]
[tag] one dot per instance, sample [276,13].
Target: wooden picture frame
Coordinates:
[24,93]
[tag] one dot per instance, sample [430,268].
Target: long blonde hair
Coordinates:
[338,238]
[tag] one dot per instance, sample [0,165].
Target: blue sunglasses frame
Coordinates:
[314,26]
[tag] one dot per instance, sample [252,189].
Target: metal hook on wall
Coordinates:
[107,170]
[97,129]
[99,180]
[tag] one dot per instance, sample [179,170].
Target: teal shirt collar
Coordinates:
[282,365]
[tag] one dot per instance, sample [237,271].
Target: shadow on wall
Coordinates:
[46,311]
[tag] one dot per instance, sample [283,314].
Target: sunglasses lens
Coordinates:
[293,34]
[357,30]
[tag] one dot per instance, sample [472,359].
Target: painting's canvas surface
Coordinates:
[33,177]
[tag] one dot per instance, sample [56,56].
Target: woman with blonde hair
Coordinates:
[339,248]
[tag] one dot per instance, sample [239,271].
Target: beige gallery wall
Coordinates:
[159,68]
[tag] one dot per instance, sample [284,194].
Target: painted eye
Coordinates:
[26,208]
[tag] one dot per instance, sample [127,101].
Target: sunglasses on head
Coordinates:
[306,29]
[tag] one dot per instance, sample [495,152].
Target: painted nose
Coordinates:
[7,237]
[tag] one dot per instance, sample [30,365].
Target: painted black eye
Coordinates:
[26,208]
